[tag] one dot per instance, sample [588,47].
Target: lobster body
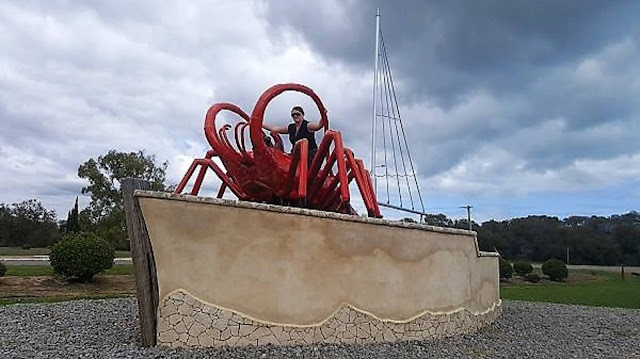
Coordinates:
[268,174]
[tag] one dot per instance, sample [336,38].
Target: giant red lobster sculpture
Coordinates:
[268,174]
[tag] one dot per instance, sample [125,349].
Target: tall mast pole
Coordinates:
[375,86]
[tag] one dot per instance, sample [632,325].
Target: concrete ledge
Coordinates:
[303,211]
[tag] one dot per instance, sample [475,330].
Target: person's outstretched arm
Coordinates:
[315,126]
[276,129]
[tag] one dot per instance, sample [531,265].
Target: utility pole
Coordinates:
[468,207]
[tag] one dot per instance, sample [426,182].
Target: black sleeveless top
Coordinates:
[303,133]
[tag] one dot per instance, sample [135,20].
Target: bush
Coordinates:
[555,269]
[532,277]
[3,269]
[80,256]
[506,271]
[522,268]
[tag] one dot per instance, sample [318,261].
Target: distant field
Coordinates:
[586,287]
[18,251]
[47,270]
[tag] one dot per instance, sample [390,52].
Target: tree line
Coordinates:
[29,224]
[612,240]
[598,240]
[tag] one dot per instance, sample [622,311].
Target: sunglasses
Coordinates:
[296,114]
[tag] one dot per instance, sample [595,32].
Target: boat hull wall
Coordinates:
[280,267]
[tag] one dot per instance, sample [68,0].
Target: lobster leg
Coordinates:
[206,163]
[223,187]
[298,164]
[322,176]
[277,141]
[371,193]
[240,141]
[337,155]
[186,177]
[332,198]
[225,179]
[357,169]
[198,184]
[323,151]
[328,192]
[222,132]
[342,169]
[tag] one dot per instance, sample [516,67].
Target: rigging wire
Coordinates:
[396,115]
[388,100]
[387,112]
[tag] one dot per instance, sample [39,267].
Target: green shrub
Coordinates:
[506,271]
[522,268]
[555,269]
[80,256]
[532,277]
[3,269]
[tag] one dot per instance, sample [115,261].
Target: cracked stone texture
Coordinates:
[184,321]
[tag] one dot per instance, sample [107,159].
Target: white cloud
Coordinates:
[496,172]
[78,79]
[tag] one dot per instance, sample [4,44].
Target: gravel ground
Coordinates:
[109,329]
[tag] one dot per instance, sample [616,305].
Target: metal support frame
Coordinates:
[398,163]
[374,115]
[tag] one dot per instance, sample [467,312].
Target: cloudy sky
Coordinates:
[514,107]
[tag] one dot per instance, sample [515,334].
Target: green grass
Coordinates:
[18,251]
[29,271]
[47,270]
[600,289]
[7,301]
[120,269]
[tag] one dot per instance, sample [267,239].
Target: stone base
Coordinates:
[185,321]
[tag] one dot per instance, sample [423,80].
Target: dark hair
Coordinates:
[299,109]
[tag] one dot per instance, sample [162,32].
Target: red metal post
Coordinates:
[342,169]
[223,187]
[186,177]
[198,184]
[300,146]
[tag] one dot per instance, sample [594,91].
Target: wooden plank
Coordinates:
[143,260]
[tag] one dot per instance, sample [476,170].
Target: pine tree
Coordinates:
[72,219]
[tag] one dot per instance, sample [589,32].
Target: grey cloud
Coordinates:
[449,48]
[526,59]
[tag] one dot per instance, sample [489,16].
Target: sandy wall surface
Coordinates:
[296,267]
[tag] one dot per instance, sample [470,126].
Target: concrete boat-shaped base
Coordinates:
[239,273]
[188,322]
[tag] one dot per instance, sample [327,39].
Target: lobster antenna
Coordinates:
[398,186]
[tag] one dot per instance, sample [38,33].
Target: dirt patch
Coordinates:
[41,287]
